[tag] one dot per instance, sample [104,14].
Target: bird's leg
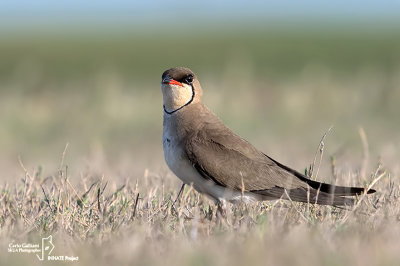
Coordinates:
[177,197]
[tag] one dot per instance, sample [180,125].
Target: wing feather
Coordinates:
[220,155]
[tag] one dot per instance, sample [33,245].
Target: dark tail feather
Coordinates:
[336,190]
[323,187]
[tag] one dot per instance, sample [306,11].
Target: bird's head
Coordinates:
[180,87]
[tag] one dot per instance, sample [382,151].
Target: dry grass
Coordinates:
[93,93]
[135,223]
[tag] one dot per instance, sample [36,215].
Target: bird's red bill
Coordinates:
[174,82]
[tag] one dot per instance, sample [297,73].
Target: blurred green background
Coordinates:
[278,77]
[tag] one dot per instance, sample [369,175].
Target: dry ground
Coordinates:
[134,223]
[110,201]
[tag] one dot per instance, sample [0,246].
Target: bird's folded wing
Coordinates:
[222,156]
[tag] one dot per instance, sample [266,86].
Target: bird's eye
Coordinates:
[189,79]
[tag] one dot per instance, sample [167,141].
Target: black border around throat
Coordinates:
[191,100]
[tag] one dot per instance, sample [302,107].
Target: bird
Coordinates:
[204,153]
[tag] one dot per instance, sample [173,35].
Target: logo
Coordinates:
[43,250]
[47,246]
